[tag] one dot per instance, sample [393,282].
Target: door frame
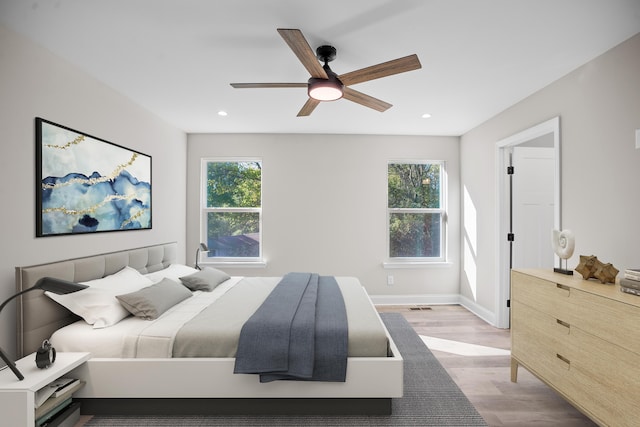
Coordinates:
[502,273]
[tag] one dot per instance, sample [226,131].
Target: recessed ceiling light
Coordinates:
[426,115]
[222,113]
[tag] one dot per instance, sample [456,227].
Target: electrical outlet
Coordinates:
[389,280]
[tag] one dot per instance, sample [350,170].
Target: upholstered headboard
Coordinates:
[39,316]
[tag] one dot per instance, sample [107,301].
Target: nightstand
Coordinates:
[17,398]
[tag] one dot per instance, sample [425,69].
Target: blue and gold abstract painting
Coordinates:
[88,185]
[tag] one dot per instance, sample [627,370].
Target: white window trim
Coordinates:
[235,264]
[416,262]
[243,262]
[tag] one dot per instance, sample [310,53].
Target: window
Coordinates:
[232,210]
[416,214]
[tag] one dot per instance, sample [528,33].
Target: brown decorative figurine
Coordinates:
[606,273]
[586,266]
[591,267]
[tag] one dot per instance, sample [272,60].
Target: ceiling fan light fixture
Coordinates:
[325,89]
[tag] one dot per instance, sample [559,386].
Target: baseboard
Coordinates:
[440,299]
[443,299]
[478,310]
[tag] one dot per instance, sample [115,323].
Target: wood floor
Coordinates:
[485,379]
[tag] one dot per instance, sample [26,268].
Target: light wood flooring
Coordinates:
[485,379]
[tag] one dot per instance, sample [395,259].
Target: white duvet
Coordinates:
[134,337]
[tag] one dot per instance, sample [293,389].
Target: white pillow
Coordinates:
[97,304]
[173,272]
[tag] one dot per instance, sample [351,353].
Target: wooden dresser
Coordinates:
[580,337]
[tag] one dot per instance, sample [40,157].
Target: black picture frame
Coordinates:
[86,184]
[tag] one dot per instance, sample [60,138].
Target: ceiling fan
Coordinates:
[324,84]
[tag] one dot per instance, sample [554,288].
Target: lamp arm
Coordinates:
[15,296]
[4,357]
[11,365]
[197,258]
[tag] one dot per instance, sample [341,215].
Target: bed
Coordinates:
[126,379]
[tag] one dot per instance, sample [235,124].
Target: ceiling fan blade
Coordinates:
[366,100]
[389,68]
[308,107]
[266,85]
[303,51]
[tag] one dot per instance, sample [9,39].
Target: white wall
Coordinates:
[33,82]
[599,109]
[325,204]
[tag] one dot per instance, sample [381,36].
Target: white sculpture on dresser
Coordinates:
[563,242]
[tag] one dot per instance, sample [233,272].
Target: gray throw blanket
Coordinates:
[300,332]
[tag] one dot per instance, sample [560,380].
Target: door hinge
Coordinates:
[509,170]
[511,237]
[508,303]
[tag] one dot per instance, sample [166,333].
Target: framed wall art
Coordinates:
[85,184]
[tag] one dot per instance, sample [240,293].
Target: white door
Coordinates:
[533,207]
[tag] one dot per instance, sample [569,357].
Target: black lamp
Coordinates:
[50,284]
[204,248]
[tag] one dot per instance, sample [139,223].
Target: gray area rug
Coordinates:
[431,397]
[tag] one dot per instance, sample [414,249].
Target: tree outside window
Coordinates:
[233,209]
[415,210]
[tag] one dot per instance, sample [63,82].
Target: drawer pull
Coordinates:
[564,290]
[561,323]
[564,359]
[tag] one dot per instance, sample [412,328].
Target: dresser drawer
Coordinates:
[605,378]
[550,329]
[613,321]
[549,297]
[539,342]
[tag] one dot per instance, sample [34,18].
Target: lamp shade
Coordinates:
[203,247]
[58,286]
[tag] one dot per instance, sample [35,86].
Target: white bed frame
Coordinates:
[191,385]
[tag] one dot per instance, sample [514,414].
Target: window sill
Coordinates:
[236,264]
[416,264]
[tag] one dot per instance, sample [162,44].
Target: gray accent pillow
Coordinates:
[150,302]
[204,280]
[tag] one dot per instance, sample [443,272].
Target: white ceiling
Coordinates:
[177,57]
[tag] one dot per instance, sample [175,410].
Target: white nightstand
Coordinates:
[17,398]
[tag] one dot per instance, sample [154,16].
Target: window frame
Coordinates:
[400,262]
[257,261]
